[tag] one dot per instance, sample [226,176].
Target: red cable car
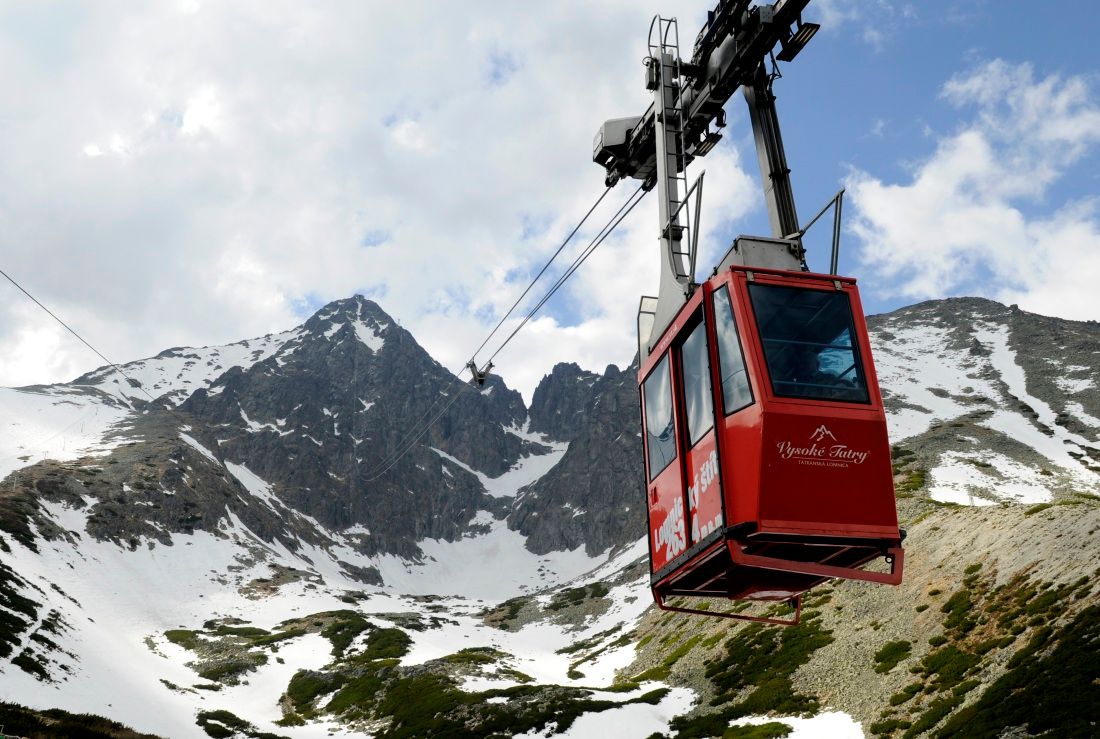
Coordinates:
[767,461]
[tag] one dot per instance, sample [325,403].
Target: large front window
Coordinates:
[808,343]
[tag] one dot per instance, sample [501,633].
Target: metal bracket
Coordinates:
[479,375]
[693,231]
[837,204]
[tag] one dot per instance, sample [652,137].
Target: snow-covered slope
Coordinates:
[56,422]
[993,406]
[179,372]
[112,610]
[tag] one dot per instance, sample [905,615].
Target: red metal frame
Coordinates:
[787,520]
[735,616]
[895,556]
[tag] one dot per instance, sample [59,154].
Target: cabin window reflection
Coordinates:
[698,406]
[659,428]
[808,343]
[736,393]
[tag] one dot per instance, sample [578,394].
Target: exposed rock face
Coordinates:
[560,399]
[144,491]
[595,496]
[334,420]
[1058,360]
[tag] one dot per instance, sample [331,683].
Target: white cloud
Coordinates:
[202,112]
[875,21]
[189,173]
[975,216]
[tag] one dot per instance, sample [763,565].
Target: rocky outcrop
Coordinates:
[344,421]
[560,399]
[143,492]
[594,497]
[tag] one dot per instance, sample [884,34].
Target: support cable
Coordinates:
[130,380]
[600,237]
[400,446]
[541,271]
[622,213]
[185,423]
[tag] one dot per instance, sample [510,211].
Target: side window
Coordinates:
[659,429]
[698,406]
[736,393]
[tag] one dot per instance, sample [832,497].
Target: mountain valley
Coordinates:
[270,547]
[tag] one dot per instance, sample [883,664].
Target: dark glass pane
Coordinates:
[736,393]
[807,338]
[697,398]
[660,431]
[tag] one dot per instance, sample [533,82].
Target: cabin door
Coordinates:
[700,459]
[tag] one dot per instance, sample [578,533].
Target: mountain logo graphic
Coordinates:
[821,433]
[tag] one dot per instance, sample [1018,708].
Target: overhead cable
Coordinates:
[132,382]
[542,271]
[598,239]
[616,219]
[400,447]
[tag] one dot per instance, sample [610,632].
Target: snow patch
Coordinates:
[180,372]
[957,479]
[829,725]
[524,472]
[200,448]
[466,567]
[371,338]
[253,484]
[626,722]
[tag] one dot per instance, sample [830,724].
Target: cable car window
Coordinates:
[659,429]
[736,393]
[698,406]
[807,338]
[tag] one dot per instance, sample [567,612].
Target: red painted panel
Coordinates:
[667,527]
[704,489]
[740,464]
[827,473]
[790,465]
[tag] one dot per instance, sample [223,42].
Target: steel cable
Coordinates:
[600,237]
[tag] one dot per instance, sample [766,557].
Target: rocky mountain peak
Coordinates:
[355,316]
[559,399]
[592,497]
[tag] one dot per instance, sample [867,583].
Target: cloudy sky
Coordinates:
[193,173]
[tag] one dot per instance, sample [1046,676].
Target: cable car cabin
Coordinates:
[767,461]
